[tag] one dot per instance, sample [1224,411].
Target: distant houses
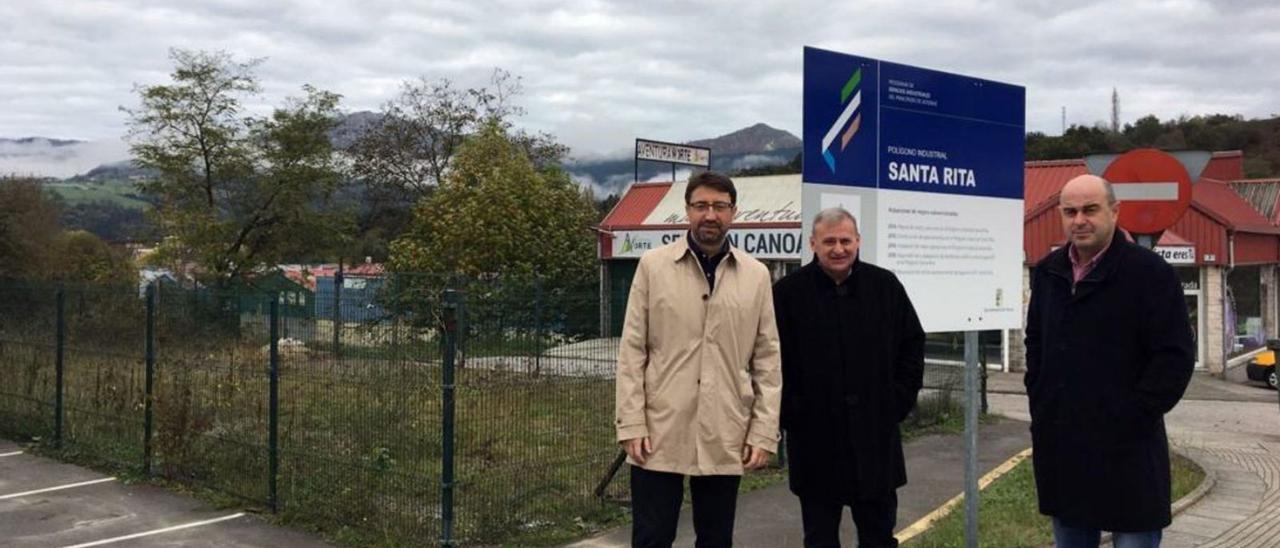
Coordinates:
[303,291]
[359,295]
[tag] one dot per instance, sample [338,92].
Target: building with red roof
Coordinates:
[1225,247]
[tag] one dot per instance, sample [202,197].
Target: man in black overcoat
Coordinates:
[1109,352]
[852,364]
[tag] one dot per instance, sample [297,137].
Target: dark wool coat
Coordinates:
[1104,364]
[852,364]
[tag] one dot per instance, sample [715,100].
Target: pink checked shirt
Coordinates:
[1079,270]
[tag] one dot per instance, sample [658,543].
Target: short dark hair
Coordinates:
[712,180]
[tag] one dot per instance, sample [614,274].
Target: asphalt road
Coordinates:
[47,503]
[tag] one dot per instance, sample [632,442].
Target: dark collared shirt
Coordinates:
[709,264]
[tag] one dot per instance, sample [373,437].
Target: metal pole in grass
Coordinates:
[148,396]
[273,416]
[452,302]
[60,340]
[971,439]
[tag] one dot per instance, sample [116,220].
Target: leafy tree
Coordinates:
[407,150]
[28,228]
[235,192]
[1076,142]
[1256,167]
[1144,131]
[110,221]
[82,257]
[607,204]
[516,237]
[496,213]
[1258,139]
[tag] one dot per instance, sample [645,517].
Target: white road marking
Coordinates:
[58,488]
[13,454]
[157,531]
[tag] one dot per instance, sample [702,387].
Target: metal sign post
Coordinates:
[971,404]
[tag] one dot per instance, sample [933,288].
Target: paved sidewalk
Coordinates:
[770,517]
[1231,429]
[1235,434]
[1242,510]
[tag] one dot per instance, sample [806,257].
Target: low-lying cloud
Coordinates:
[41,157]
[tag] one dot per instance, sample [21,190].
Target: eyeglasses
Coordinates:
[719,207]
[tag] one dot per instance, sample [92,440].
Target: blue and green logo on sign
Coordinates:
[841,118]
[846,126]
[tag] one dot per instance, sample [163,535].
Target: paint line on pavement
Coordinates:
[157,531]
[921,525]
[13,454]
[57,488]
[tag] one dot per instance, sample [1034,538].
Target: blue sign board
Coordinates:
[930,164]
[876,124]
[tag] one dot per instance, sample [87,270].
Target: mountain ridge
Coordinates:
[752,146]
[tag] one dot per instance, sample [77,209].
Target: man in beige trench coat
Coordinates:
[699,377]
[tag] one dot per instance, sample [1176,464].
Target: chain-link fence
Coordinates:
[331,408]
[28,353]
[386,410]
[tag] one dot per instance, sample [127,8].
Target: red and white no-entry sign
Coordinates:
[1153,188]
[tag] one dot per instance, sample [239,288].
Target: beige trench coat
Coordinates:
[699,373]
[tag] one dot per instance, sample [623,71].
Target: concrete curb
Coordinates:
[1206,485]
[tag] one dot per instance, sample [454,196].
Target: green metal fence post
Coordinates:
[452,302]
[273,416]
[537,326]
[149,394]
[61,340]
[982,363]
[337,311]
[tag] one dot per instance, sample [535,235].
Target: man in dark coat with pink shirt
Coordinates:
[1109,352]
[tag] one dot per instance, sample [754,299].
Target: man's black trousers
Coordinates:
[655,508]
[874,519]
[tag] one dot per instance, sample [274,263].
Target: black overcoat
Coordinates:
[1105,362]
[852,365]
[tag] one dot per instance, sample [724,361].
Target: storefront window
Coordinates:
[1244,308]
[1190,278]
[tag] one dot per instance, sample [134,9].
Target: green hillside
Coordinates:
[119,192]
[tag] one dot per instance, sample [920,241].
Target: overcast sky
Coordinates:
[598,74]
